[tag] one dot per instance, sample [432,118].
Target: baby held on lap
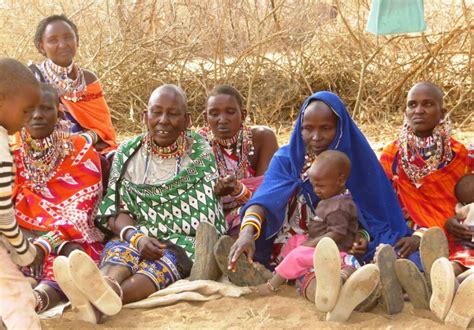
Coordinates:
[335,217]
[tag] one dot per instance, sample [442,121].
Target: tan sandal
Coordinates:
[327,267]
[391,290]
[358,287]
[443,282]
[433,245]
[81,307]
[462,311]
[93,285]
[413,282]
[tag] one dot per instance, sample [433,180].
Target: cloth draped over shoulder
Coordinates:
[172,210]
[70,200]
[434,201]
[93,113]
[378,209]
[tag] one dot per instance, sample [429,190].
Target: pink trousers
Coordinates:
[298,260]
[17,302]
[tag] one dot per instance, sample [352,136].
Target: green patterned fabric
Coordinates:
[172,210]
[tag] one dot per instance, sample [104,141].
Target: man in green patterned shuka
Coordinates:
[161,189]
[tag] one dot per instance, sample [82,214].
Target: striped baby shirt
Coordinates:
[22,251]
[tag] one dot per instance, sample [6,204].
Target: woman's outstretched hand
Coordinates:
[150,248]
[453,227]
[244,244]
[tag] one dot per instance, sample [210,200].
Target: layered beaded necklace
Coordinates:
[41,157]
[175,150]
[421,156]
[240,145]
[58,76]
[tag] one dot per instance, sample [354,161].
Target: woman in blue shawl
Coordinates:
[323,123]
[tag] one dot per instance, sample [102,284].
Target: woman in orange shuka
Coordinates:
[57,191]
[424,165]
[79,89]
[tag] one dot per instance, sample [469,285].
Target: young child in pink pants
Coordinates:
[336,218]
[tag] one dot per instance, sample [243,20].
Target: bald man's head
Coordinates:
[170,89]
[431,88]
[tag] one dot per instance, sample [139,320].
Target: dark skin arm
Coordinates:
[407,245]
[150,248]
[246,242]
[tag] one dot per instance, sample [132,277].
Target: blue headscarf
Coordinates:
[379,210]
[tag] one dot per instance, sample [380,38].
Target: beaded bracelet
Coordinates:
[239,189]
[244,196]
[135,238]
[255,214]
[90,136]
[252,219]
[123,230]
[364,234]
[251,223]
[44,245]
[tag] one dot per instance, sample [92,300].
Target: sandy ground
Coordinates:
[285,310]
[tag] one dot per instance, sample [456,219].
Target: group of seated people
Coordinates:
[111,224]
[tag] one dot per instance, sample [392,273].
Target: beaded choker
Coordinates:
[240,145]
[42,157]
[71,89]
[420,156]
[176,149]
[228,143]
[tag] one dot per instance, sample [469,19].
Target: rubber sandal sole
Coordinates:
[326,258]
[358,287]
[81,306]
[89,280]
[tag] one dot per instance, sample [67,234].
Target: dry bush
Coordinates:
[276,52]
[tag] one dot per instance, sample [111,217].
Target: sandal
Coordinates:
[327,266]
[413,282]
[443,283]
[462,312]
[93,285]
[433,245]
[81,307]
[391,290]
[358,287]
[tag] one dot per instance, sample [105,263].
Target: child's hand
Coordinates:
[263,290]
